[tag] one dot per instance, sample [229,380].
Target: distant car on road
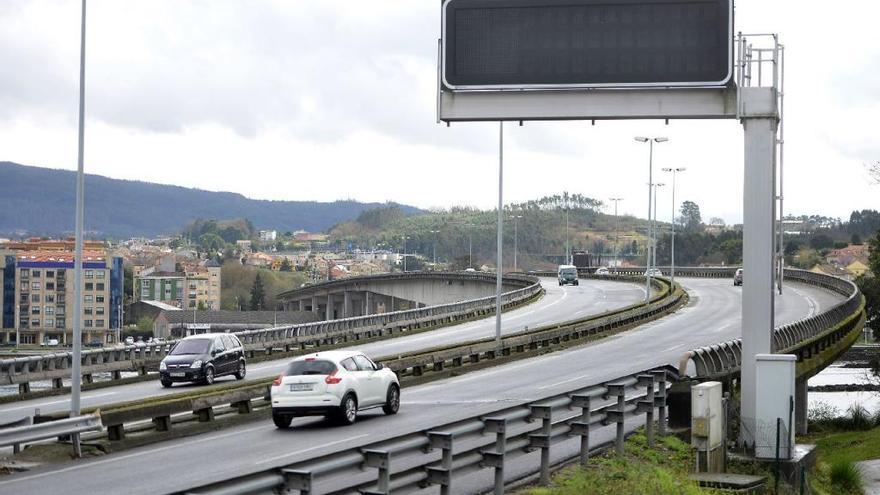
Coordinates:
[336,384]
[129,340]
[201,358]
[52,342]
[567,274]
[653,272]
[602,271]
[96,343]
[738,277]
[469,270]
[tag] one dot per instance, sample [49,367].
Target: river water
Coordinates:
[836,374]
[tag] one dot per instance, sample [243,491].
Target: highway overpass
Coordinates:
[712,315]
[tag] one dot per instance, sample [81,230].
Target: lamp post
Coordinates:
[434,232]
[654,227]
[650,142]
[515,218]
[405,237]
[672,249]
[616,234]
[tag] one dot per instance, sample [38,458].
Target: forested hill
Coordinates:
[41,201]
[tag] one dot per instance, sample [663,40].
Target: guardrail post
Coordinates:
[660,400]
[298,480]
[496,459]
[24,388]
[87,378]
[647,405]
[116,375]
[163,423]
[618,415]
[205,415]
[582,427]
[381,460]
[57,383]
[443,475]
[243,407]
[116,432]
[542,440]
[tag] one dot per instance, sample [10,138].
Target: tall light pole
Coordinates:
[650,142]
[515,218]
[434,232]
[616,234]
[672,255]
[404,252]
[76,372]
[654,227]
[567,252]
[499,246]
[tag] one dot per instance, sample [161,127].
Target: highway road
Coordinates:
[712,315]
[559,303]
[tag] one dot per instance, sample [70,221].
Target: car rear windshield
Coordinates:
[310,367]
[194,346]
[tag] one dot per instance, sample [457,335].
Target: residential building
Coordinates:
[41,306]
[268,235]
[197,286]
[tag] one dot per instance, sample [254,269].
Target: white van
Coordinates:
[567,274]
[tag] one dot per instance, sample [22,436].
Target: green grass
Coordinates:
[838,451]
[662,469]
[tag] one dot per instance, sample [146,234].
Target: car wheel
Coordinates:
[209,375]
[392,400]
[165,383]
[281,420]
[347,413]
[577,282]
[242,372]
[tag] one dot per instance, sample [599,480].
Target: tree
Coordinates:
[856,239]
[821,241]
[145,324]
[690,216]
[717,221]
[874,254]
[202,306]
[874,171]
[286,266]
[258,294]
[211,243]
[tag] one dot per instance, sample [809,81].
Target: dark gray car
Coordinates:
[202,358]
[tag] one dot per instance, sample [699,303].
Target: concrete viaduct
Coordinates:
[361,296]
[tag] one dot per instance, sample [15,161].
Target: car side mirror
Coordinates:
[214,352]
[379,366]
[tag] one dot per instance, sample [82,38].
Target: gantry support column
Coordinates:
[760,118]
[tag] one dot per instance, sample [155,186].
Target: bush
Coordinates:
[859,417]
[823,413]
[846,476]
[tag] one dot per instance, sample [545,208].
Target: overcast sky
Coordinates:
[324,100]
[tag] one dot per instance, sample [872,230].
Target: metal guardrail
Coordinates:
[18,435]
[490,440]
[140,357]
[242,396]
[816,341]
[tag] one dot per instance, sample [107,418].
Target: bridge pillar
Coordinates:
[302,304]
[329,313]
[759,115]
[800,406]
[347,308]
[315,304]
[368,303]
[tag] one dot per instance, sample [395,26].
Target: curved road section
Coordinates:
[712,315]
[558,304]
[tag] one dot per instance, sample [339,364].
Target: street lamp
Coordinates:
[435,246]
[515,218]
[405,237]
[654,227]
[650,142]
[616,234]
[672,256]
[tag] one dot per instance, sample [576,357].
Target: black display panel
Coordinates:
[586,43]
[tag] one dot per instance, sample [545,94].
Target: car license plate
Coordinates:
[300,387]
[178,374]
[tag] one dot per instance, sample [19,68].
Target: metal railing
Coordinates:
[56,366]
[489,441]
[18,435]
[816,340]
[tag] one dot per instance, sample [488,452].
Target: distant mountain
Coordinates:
[41,201]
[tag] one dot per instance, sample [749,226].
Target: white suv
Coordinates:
[336,384]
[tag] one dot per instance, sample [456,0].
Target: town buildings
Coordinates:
[186,285]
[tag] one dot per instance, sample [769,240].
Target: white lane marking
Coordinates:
[42,404]
[808,299]
[78,465]
[350,439]
[580,377]
[670,348]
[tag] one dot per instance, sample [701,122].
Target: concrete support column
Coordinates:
[347,309]
[760,119]
[368,303]
[329,314]
[302,304]
[315,304]
[800,406]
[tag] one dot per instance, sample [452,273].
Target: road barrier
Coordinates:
[143,357]
[412,368]
[816,341]
[440,455]
[22,434]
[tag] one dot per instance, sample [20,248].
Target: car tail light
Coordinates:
[332,379]
[277,381]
